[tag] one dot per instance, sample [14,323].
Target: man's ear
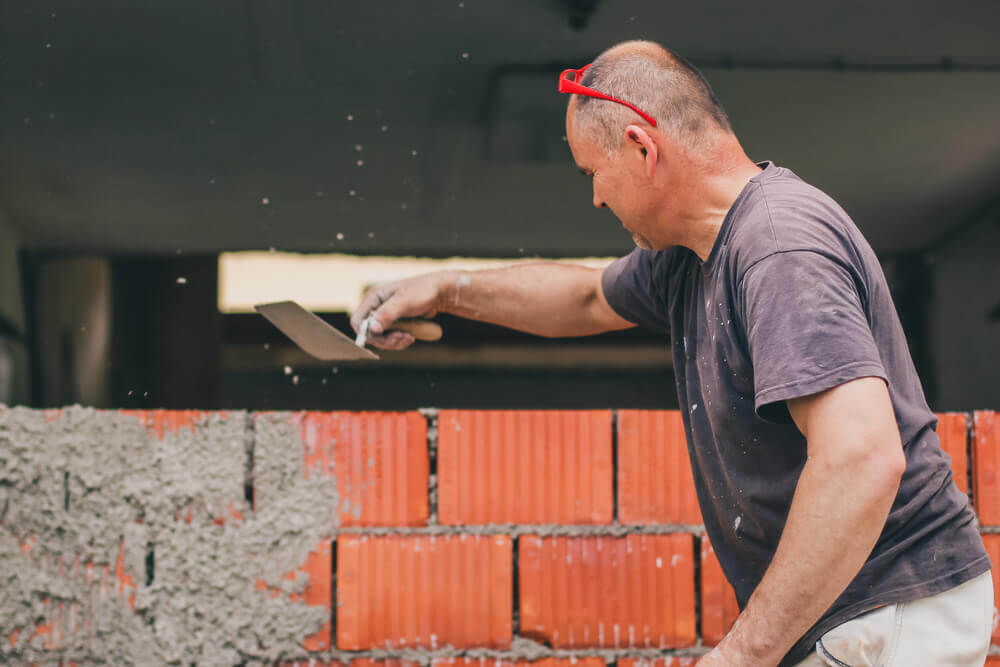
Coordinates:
[640,141]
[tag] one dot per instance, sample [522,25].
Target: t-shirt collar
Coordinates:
[768,169]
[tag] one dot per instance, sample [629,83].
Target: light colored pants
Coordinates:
[952,628]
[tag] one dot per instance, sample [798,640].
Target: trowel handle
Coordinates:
[420,329]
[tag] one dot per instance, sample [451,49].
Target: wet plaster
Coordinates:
[521,648]
[163,506]
[541,530]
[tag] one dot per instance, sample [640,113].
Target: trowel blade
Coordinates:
[311,333]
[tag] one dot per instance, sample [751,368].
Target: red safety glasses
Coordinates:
[568,84]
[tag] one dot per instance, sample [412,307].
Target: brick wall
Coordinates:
[435,537]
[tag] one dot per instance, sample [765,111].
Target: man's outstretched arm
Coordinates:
[544,298]
[843,497]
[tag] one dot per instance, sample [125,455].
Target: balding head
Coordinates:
[654,79]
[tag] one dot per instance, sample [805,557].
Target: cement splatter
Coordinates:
[540,530]
[161,502]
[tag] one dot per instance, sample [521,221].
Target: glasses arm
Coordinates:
[567,85]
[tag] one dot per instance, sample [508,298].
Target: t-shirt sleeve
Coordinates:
[807,329]
[634,287]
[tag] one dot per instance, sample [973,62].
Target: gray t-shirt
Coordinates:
[793,301]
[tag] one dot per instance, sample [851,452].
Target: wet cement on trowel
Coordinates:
[84,482]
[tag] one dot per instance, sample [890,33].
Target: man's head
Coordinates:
[641,171]
[656,80]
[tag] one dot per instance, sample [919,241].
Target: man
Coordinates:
[821,480]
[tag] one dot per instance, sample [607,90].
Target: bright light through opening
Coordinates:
[333,282]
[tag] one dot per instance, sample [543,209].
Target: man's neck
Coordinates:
[718,192]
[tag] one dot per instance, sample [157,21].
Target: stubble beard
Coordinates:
[641,241]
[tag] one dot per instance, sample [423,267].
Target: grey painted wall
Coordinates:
[965,322]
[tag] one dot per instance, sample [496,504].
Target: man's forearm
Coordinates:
[835,519]
[547,299]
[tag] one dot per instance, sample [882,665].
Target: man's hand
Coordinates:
[413,297]
[721,657]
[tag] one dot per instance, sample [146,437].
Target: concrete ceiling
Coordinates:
[199,127]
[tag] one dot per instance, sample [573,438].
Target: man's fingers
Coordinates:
[398,340]
[394,340]
[385,304]
[373,299]
[385,315]
[356,320]
[375,341]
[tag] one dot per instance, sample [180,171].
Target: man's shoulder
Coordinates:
[636,285]
[783,213]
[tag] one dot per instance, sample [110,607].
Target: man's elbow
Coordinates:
[891,465]
[873,459]
[882,462]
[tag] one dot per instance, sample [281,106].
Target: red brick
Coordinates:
[986,467]
[668,661]
[318,568]
[596,592]
[161,422]
[356,662]
[525,467]
[718,599]
[655,484]
[953,431]
[992,543]
[424,591]
[992,660]
[587,661]
[378,460]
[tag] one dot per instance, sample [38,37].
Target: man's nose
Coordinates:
[598,201]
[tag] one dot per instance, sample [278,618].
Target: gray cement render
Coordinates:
[78,484]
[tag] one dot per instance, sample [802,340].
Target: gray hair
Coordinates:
[656,80]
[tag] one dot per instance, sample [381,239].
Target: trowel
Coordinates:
[315,336]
